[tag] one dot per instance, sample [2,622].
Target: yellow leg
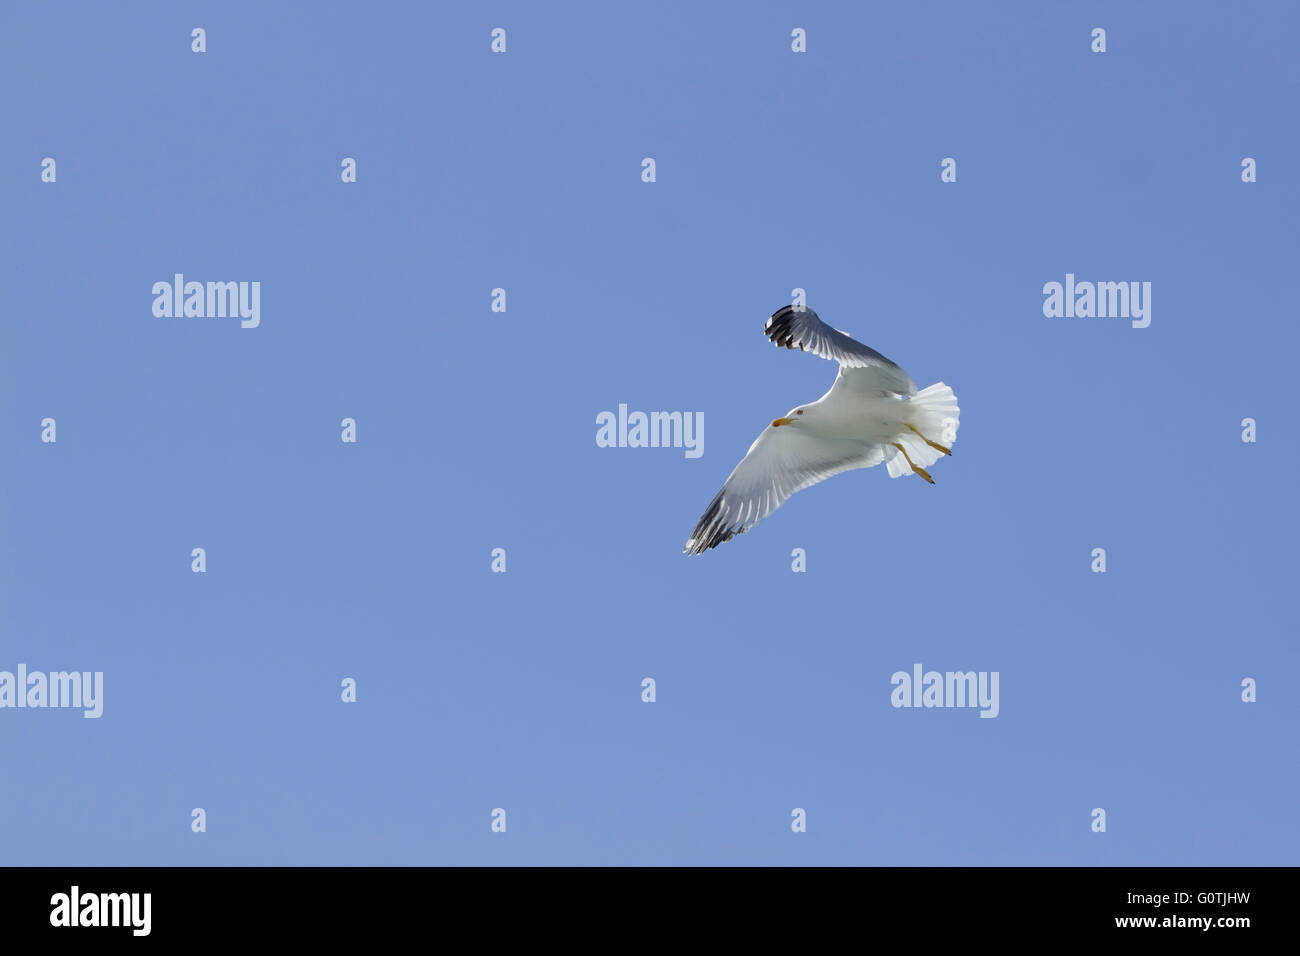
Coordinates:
[920,471]
[932,444]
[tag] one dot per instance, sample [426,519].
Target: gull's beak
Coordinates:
[778,422]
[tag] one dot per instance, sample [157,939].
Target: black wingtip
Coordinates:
[699,542]
[780,328]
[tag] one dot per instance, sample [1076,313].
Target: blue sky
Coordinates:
[476,430]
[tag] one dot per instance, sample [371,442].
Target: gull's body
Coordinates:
[872,413]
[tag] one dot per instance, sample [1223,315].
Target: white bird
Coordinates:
[872,413]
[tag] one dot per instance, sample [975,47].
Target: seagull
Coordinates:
[872,413]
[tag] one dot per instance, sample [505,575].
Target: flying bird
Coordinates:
[872,413]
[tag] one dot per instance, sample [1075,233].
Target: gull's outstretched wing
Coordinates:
[781,461]
[806,332]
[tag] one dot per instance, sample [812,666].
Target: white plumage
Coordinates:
[872,413]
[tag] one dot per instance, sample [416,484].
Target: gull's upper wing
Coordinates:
[781,461]
[806,332]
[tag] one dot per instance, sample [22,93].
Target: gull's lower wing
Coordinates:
[781,461]
[803,330]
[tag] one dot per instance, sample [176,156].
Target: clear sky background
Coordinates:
[476,430]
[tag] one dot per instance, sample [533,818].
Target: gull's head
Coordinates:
[790,419]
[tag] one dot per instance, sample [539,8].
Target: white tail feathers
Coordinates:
[934,414]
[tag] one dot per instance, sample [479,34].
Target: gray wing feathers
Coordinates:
[808,333]
[781,462]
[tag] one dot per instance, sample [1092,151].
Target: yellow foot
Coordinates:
[932,444]
[920,471]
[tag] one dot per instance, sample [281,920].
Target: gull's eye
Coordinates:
[799,411]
